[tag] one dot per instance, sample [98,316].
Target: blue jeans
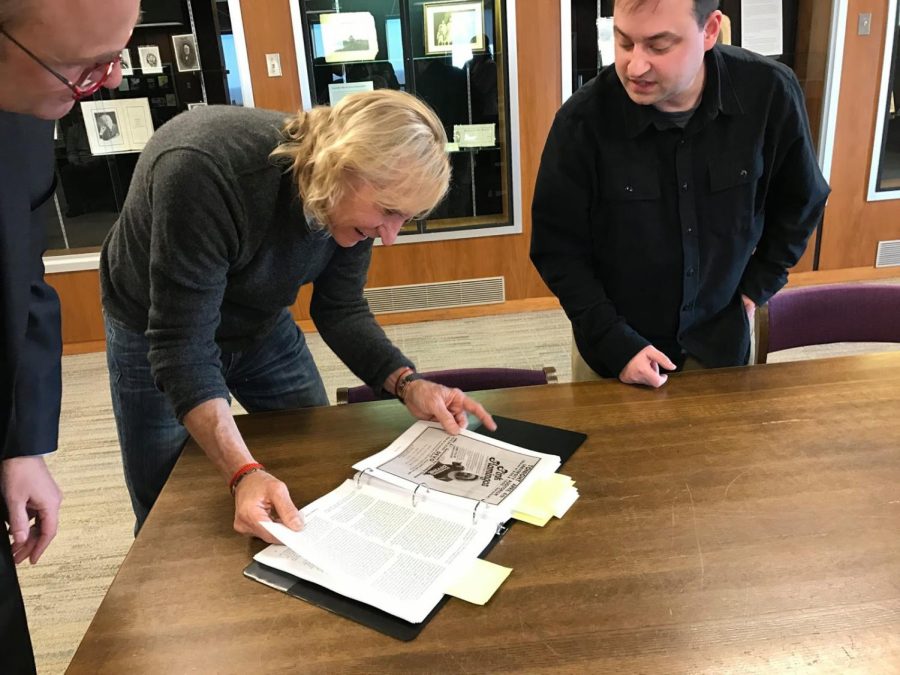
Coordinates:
[278,373]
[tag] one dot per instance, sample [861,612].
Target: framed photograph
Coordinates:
[349,36]
[151,63]
[454,25]
[185,48]
[121,125]
[107,124]
[125,61]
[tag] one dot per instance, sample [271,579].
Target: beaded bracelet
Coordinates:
[242,473]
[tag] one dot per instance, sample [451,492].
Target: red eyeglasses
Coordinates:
[90,81]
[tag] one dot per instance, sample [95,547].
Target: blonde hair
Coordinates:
[388,139]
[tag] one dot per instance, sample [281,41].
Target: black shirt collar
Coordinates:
[719,95]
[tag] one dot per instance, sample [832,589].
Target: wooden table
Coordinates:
[735,520]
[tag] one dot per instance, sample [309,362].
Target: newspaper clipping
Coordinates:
[462,466]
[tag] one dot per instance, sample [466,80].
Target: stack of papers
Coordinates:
[550,496]
[409,527]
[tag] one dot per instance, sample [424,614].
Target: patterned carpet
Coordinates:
[64,590]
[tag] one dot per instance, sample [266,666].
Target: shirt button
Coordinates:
[688,307]
[690,230]
[629,188]
[684,186]
[690,271]
[681,142]
[743,173]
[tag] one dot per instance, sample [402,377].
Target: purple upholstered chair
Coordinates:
[820,315]
[467,379]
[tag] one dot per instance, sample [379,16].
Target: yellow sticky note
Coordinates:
[542,498]
[480,582]
[559,481]
[539,520]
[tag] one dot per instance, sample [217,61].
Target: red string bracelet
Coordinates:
[243,471]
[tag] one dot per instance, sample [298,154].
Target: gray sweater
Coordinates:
[212,245]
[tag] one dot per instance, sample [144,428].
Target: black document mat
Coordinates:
[537,437]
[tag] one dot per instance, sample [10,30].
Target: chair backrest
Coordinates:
[820,315]
[466,379]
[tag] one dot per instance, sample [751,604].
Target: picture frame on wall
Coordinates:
[185,49]
[349,36]
[453,25]
[151,62]
[117,126]
[125,62]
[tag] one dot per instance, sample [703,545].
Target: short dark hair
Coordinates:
[702,8]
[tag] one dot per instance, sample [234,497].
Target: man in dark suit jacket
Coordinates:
[82,40]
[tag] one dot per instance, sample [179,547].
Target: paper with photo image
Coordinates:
[119,126]
[469,466]
[151,62]
[125,62]
[349,36]
[185,49]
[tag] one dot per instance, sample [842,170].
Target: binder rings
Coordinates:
[538,437]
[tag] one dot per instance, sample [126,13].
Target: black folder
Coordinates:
[537,437]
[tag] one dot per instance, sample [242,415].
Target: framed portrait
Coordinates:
[151,63]
[454,25]
[349,36]
[185,48]
[125,62]
[118,126]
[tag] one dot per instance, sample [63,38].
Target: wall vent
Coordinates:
[888,254]
[441,295]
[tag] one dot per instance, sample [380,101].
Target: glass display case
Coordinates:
[455,56]
[884,182]
[172,63]
[799,40]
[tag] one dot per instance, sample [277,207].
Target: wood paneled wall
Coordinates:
[811,66]
[852,225]
[267,30]
[851,228]
[82,318]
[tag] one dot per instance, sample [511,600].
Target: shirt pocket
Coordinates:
[733,183]
[628,211]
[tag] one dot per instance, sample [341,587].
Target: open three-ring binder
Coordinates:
[452,496]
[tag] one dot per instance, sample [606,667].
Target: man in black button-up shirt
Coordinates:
[674,193]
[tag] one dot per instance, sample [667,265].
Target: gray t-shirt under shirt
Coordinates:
[212,246]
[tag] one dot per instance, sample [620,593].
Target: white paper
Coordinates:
[186,56]
[475,135]
[284,559]
[606,43]
[151,62]
[125,62]
[565,502]
[349,36]
[374,546]
[339,90]
[123,125]
[472,467]
[762,27]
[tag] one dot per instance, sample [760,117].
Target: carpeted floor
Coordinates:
[64,590]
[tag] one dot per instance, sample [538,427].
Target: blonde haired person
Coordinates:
[230,211]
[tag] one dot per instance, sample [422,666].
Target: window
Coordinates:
[451,54]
